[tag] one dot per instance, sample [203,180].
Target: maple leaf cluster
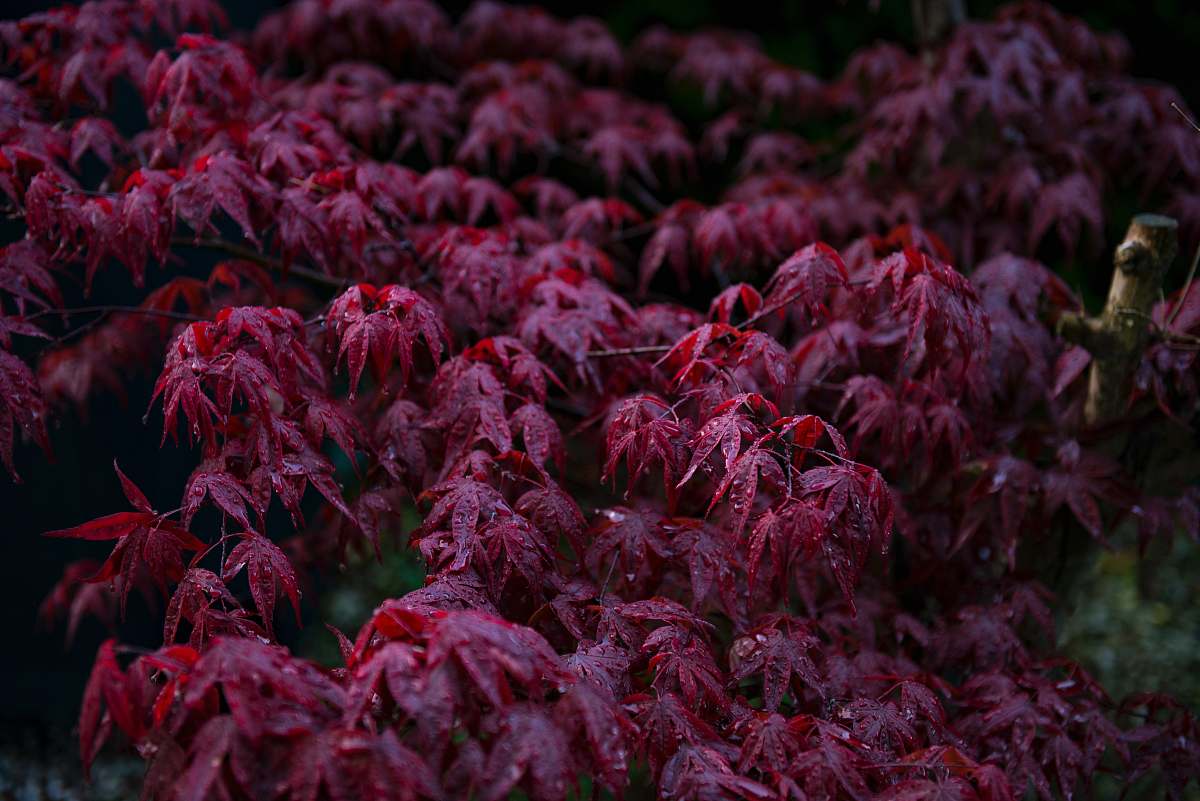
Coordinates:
[770,546]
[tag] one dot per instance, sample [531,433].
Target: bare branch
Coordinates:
[249,254]
[1184,114]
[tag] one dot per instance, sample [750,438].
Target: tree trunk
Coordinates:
[1141,260]
[1118,336]
[935,19]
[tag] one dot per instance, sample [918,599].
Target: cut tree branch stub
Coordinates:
[1117,337]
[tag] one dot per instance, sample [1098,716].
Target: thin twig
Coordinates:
[249,254]
[639,192]
[645,350]
[644,196]
[634,231]
[1187,287]
[642,350]
[612,567]
[102,313]
[1184,114]
[172,315]
[767,311]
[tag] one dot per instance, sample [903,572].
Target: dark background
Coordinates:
[40,679]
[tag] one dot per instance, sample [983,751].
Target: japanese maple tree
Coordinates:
[739,497]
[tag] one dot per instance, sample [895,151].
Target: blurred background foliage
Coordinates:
[1136,637]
